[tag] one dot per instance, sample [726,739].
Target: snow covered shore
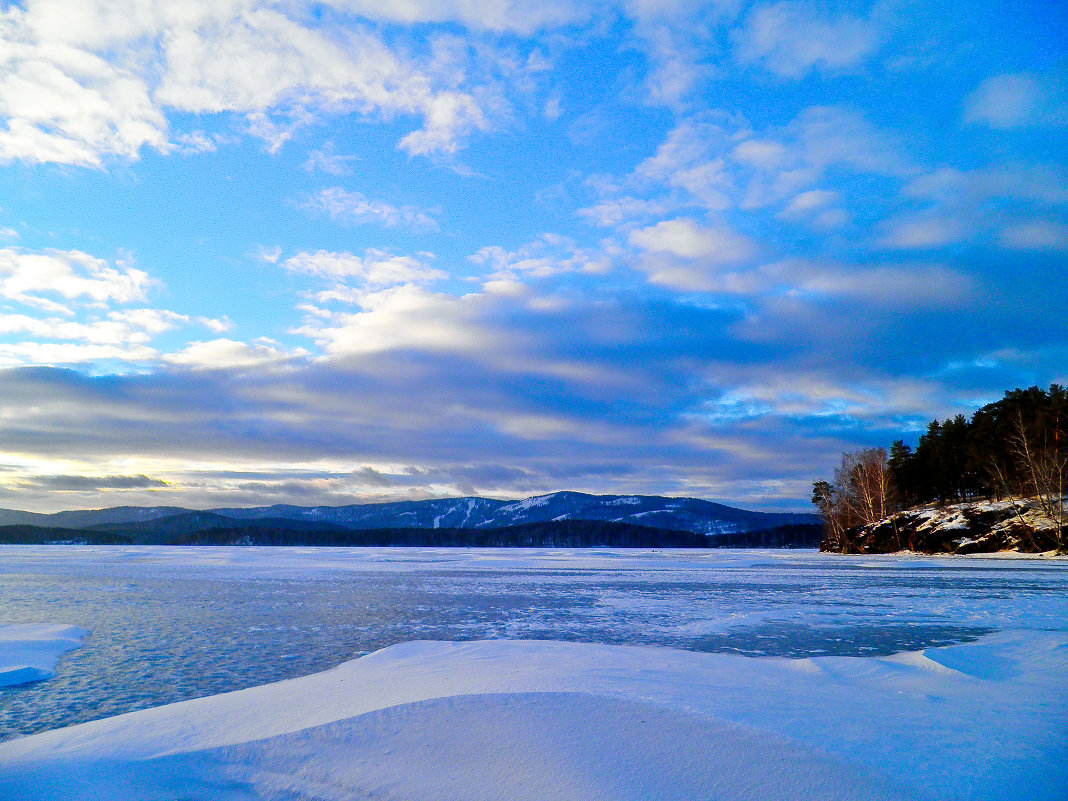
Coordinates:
[29,652]
[551,720]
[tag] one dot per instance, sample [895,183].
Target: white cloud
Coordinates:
[63,104]
[831,218]
[120,328]
[679,41]
[817,208]
[218,325]
[84,79]
[260,61]
[884,285]
[716,161]
[616,211]
[1036,235]
[60,353]
[691,159]
[922,232]
[831,135]
[270,255]
[25,276]
[403,317]
[150,321]
[803,393]
[548,255]
[356,209]
[1014,100]
[228,354]
[194,142]
[791,38]
[805,204]
[86,302]
[765,154]
[329,162]
[1038,183]
[553,108]
[688,239]
[685,255]
[447,115]
[375,268]
[692,258]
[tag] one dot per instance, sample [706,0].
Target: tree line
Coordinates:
[1016,447]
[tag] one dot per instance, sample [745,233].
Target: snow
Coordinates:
[541,719]
[955,516]
[471,504]
[528,503]
[29,651]
[525,719]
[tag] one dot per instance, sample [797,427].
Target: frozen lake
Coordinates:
[169,624]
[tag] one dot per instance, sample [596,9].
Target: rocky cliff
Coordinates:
[960,528]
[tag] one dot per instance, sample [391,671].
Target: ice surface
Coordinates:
[29,652]
[537,720]
[542,719]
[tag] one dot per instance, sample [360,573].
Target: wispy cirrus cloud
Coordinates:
[1016,100]
[374,268]
[718,162]
[353,208]
[1036,235]
[549,255]
[791,38]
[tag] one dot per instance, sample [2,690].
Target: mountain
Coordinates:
[84,518]
[279,531]
[683,514]
[165,523]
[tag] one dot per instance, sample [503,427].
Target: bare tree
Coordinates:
[864,482]
[861,493]
[1004,486]
[1042,464]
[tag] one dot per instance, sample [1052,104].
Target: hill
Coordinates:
[169,524]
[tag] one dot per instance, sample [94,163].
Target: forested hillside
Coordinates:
[1013,450]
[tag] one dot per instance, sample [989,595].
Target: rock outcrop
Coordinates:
[959,528]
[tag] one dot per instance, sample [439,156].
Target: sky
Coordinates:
[259,252]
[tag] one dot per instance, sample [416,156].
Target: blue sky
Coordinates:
[319,253]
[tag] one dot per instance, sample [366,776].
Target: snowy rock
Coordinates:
[959,528]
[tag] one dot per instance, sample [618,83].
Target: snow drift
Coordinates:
[539,720]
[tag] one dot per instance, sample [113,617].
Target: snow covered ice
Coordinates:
[29,652]
[544,719]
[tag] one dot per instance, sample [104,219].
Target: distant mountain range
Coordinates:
[640,516]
